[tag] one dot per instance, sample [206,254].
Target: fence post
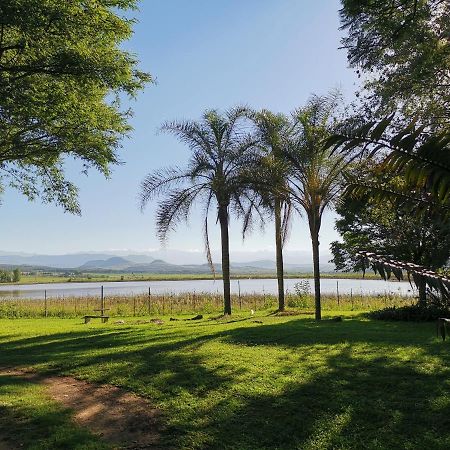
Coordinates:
[134,306]
[149,300]
[239,293]
[337,291]
[351,297]
[45,303]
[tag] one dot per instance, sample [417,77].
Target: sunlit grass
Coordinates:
[260,381]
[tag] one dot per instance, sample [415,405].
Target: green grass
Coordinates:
[106,277]
[288,383]
[142,305]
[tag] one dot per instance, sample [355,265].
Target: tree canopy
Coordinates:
[402,49]
[62,76]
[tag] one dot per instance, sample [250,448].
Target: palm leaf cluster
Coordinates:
[421,159]
[386,267]
[251,164]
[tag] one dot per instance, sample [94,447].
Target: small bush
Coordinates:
[302,288]
[414,313]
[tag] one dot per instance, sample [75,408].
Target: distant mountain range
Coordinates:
[139,263]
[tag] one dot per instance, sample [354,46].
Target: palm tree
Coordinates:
[315,179]
[269,181]
[220,148]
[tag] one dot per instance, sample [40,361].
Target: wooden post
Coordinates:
[149,299]
[351,297]
[337,291]
[134,306]
[102,303]
[239,293]
[45,303]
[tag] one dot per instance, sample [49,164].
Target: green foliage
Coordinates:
[387,226]
[16,275]
[402,49]
[302,288]
[411,313]
[62,72]
[5,276]
[420,159]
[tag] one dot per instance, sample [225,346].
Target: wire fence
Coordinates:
[186,303]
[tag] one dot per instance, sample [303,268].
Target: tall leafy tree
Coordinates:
[389,228]
[401,48]
[269,181]
[221,149]
[62,75]
[315,180]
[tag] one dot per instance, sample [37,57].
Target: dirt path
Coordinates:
[120,417]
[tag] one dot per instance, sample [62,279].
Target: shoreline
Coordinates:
[122,278]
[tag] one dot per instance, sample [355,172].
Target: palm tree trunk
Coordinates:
[223,219]
[279,255]
[315,251]
[422,285]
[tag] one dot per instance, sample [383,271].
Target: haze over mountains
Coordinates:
[174,262]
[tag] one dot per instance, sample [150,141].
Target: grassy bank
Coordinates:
[106,277]
[252,382]
[188,303]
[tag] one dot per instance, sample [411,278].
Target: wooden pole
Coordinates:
[337,291]
[239,293]
[45,303]
[149,299]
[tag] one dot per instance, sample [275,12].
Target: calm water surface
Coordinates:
[246,286]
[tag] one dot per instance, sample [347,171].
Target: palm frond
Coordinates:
[422,159]
[387,267]
[175,208]
[160,182]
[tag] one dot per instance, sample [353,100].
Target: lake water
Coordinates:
[246,286]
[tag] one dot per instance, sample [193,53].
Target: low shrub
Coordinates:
[414,313]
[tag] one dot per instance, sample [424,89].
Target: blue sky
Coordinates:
[204,54]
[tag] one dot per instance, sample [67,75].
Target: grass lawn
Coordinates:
[288,383]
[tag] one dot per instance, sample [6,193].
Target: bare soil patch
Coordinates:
[121,418]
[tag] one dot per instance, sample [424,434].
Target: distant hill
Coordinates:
[56,261]
[107,263]
[113,263]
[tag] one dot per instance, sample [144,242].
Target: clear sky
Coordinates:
[204,54]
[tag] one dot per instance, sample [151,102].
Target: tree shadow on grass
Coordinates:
[355,403]
[364,396]
[30,420]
